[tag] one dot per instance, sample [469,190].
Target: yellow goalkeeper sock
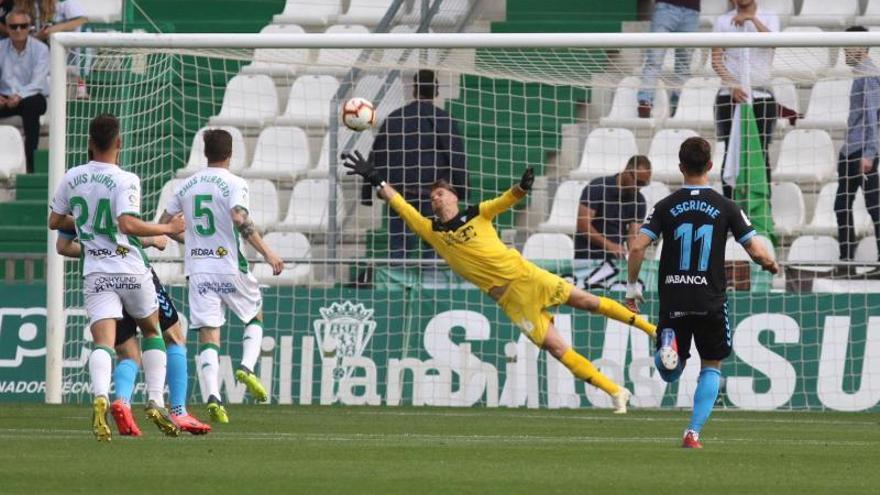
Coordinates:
[582,368]
[616,311]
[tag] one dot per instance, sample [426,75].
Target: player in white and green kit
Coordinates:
[102,202]
[215,205]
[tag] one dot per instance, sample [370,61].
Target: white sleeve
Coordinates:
[61,201]
[174,206]
[240,195]
[772,23]
[719,24]
[69,10]
[127,199]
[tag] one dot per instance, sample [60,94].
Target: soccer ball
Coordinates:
[358,114]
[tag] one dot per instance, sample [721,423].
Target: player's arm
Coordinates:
[248,231]
[57,221]
[66,244]
[159,242]
[637,248]
[494,207]
[585,227]
[761,255]
[358,165]
[132,225]
[166,218]
[745,234]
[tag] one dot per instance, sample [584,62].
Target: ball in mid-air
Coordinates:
[358,114]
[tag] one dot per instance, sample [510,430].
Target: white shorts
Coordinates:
[209,293]
[108,293]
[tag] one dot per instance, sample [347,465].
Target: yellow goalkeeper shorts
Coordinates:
[526,301]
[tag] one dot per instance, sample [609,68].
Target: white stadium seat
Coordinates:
[782,8]
[371,86]
[309,12]
[165,196]
[170,272]
[278,62]
[814,249]
[801,63]
[806,155]
[606,151]
[663,154]
[785,93]
[250,101]
[197,159]
[367,12]
[654,192]
[337,61]
[173,252]
[696,105]
[362,143]
[263,199]
[836,14]
[12,160]
[825,219]
[872,14]
[625,106]
[281,153]
[548,246]
[309,206]
[733,251]
[102,11]
[308,104]
[564,211]
[866,250]
[287,245]
[710,9]
[787,206]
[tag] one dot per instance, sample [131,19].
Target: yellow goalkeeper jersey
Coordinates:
[469,242]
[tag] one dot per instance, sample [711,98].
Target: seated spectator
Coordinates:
[611,210]
[52,16]
[24,69]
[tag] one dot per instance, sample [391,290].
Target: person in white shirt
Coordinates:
[745,72]
[215,204]
[102,203]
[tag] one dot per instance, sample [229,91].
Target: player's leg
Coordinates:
[104,307]
[673,348]
[155,362]
[609,308]
[247,303]
[209,368]
[713,339]
[124,376]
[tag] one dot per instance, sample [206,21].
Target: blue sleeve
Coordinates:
[641,206]
[872,107]
[67,234]
[740,225]
[653,225]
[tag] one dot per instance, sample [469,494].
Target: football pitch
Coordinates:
[282,449]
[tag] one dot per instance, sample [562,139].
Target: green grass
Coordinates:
[277,449]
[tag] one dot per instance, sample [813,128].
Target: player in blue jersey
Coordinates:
[693,222]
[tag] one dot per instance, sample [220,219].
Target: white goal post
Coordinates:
[63,43]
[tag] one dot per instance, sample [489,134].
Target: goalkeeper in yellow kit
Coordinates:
[469,244]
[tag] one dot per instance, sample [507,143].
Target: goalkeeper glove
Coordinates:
[528,178]
[359,165]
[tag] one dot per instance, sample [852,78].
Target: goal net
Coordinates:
[365,314]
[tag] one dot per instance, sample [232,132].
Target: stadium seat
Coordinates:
[801,63]
[371,86]
[170,272]
[309,206]
[836,14]
[362,142]
[871,16]
[785,93]
[654,192]
[165,196]
[102,11]
[866,250]
[663,154]
[263,199]
[12,160]
[787,206]
[281,153]
[309,12]
[337,61]
[563,212]
[696,105]
[710,9]
[824,220]
[806,155]
[717,161]
[287,245]
[278,62]
[173,252]
[450,13]
[197,159]
[308,104]
[367,12]
[548,246]
[625,106]
[782,8]
[733,251]
[829,105]
[669,62]
[814,249]
[250,101]
[606,151]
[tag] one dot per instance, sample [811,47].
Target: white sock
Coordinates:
[100,371]
[250,345]
[209,368]
[155,363]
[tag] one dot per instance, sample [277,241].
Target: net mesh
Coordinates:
[353,321]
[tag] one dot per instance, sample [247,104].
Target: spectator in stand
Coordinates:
[417,145]
[6,7]
[611,211]
[670,16]
[857,161]
[739,67]
[52,16]
[24,69]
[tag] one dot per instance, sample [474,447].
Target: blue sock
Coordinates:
[177,376]
[124,376]
[668,376]
[704,397]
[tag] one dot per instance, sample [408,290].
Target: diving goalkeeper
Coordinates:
[469,244]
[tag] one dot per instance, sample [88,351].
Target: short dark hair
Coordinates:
[695,155]
[103,131]
[444,184]
[638,162]
[425,82]
[856,29]
[218,145]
